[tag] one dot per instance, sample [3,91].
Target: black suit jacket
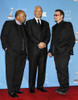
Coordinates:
[11,38]
[63,38]
[37,34]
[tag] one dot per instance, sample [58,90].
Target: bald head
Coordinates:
[20,16]
[38,12]
[37,8]
[18,12]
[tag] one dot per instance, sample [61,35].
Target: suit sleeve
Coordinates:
[71,38]
[31,36]
[47,38]
[4,35]
[51,50]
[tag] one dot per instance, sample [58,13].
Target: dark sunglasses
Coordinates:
[56,14]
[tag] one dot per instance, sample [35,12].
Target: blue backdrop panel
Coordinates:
[70,7]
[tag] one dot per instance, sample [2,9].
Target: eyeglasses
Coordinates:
[56,15]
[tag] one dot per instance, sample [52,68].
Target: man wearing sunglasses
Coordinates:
[61,48]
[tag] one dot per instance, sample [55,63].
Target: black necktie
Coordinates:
[38,22]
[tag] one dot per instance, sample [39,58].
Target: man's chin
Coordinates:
[55,21]
[39,17]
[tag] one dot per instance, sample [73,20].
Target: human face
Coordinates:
[38,12]
[58,17]
[22,17]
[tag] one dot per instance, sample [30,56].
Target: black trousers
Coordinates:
[61,62]
[15,64]
[37,59]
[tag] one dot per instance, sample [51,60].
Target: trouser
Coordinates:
[37,60]
[61,62]
[15,64]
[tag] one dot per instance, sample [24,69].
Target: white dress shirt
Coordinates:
[37,20]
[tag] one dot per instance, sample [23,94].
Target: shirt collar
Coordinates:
[18,22]
[37,20]
[60,22]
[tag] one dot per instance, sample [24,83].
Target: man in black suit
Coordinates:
[62,43]
[14,42]
[39,36]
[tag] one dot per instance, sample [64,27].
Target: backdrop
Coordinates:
[70,7]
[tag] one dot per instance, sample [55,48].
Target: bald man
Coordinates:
[14,43]
[39,36]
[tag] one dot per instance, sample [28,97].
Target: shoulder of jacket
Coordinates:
[9,21]
[45,21]
[30,20]
[69,23]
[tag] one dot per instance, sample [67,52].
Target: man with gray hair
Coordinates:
[39,36]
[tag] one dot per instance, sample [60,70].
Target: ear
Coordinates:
[62,16]
[17,17]
[34,12]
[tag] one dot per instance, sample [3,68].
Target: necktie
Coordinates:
[38,22]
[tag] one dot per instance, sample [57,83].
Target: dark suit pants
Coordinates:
[15,64]
[38,59]
[61,62]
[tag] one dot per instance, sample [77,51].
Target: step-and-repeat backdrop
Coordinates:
[70,7]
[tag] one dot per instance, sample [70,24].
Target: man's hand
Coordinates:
[5,49]
[49,54]
[41,45]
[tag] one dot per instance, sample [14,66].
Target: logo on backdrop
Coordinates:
[76,78]
[68,15]
[44,14]
[10,15]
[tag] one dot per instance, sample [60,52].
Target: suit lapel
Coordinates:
[42,25]
[36,25]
